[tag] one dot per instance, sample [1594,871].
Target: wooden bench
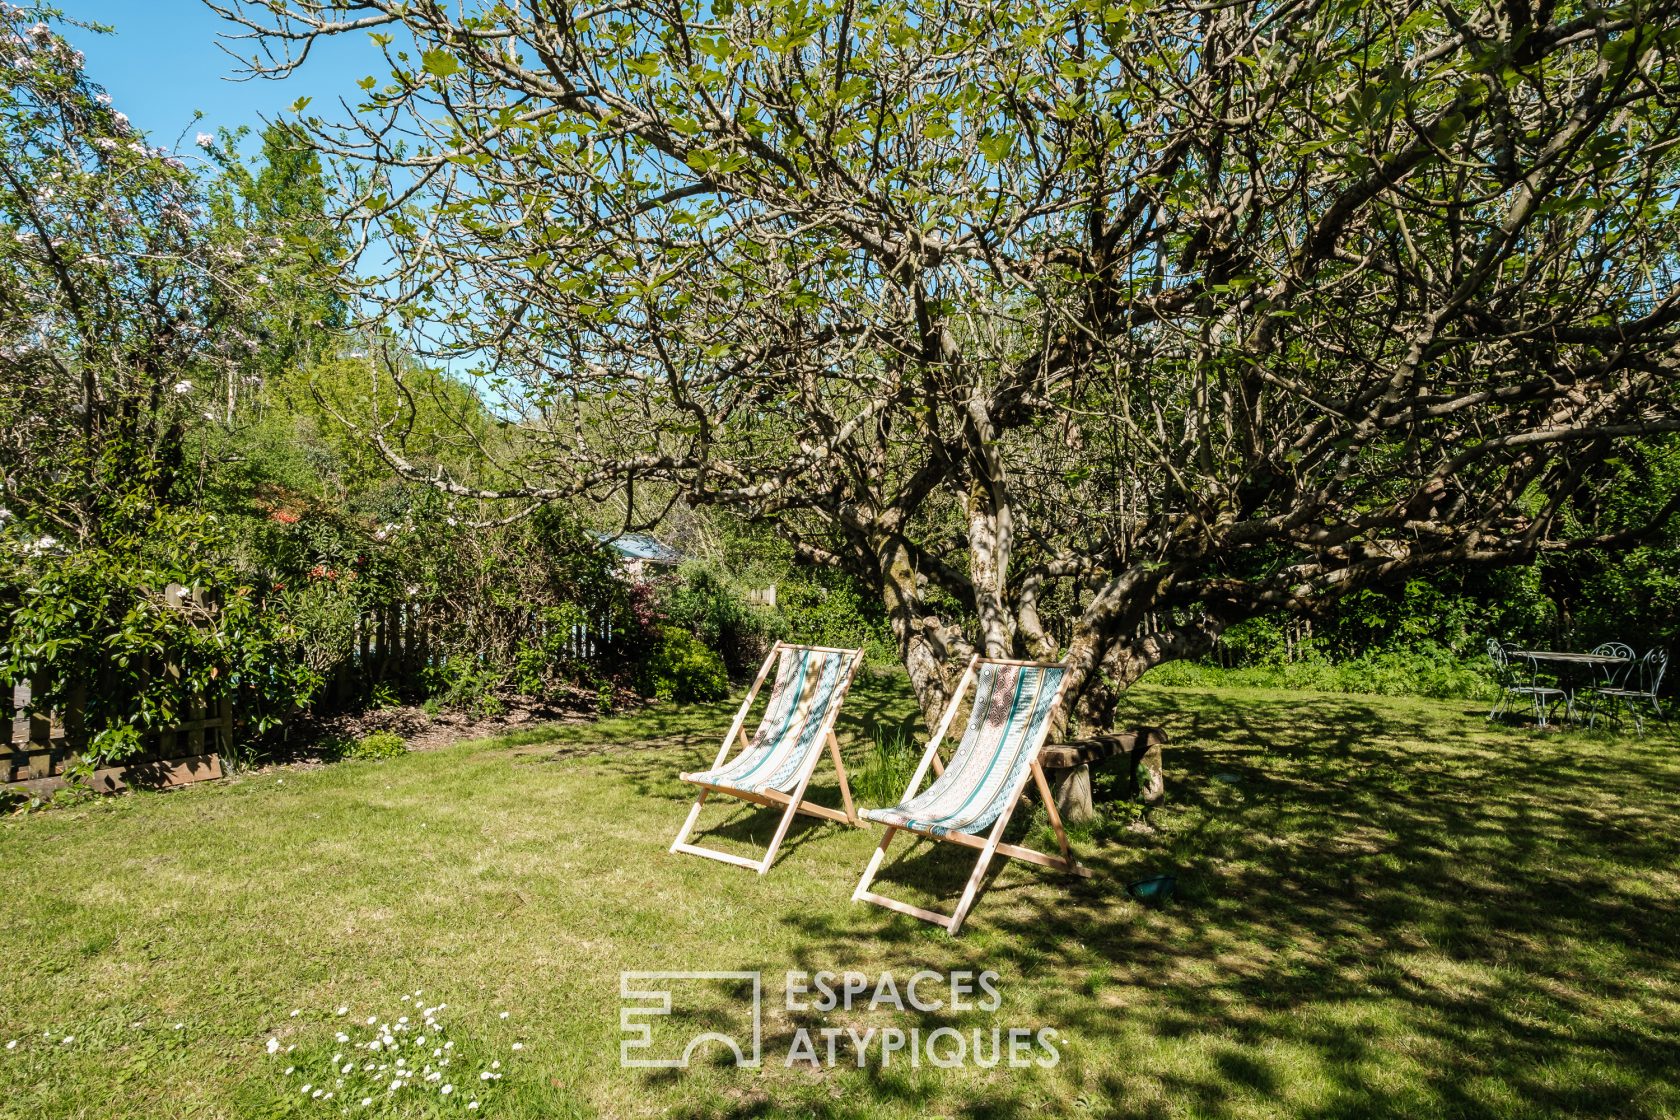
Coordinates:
[1068,766]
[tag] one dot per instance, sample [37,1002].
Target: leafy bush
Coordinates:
[1430,670]
[96,623]
[826,609]
[681,668]
[706,602]
[547,657]
[377,745]
[466,683]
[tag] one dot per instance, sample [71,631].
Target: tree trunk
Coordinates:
[932,651]
[1093,696]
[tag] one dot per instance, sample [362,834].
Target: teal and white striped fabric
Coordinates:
[808,685]
[1011,715]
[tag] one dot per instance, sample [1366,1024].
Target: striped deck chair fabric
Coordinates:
[776,765]
[808,684]
[1012,703]
[973,797]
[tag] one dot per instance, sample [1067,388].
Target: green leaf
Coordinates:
[440,63]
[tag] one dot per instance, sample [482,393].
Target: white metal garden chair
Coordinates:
[1638,689]
[1542,697]
[973,796]
[776,764]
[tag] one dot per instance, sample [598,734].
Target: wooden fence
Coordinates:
[39,747]
[397,643]
[393,645]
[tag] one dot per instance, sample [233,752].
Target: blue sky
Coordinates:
[163,64]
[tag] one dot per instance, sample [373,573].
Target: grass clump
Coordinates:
[886,768]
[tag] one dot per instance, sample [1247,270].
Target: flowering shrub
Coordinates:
[401,1062]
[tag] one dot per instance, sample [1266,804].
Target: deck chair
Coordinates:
[972,797]
[776,765]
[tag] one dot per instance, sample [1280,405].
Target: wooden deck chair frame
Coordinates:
[791,804]
[992,844]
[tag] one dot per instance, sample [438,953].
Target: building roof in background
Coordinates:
[639,546]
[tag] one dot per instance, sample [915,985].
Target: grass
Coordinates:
[1386,907]
[887,767]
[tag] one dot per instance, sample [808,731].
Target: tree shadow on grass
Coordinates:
[1477,895]
[1383,895]
[1385,908]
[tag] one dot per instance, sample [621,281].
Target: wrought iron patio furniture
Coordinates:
[1639,688]
[1516,682]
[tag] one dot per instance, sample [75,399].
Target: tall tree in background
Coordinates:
[128,323]
[1062,326]
[122,319]
[284,200]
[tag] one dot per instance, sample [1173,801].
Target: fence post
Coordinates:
[74,719]
[362,644]
[195,728]
[38,747]
[225,730]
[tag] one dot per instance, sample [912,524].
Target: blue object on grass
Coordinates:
[1157,889]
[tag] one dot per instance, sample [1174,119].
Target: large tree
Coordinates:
[124,317]
[1068,328]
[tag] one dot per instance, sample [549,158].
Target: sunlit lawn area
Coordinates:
[1386,907]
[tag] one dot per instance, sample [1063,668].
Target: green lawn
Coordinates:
[1386,908]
